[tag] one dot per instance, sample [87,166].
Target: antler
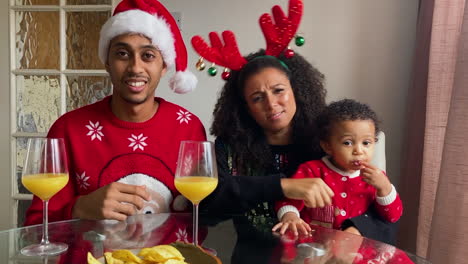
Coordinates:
[279,34]
[227,56]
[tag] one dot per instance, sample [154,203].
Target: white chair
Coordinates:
[379,152]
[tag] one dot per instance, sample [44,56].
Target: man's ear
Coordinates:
[326,147]
[164,69]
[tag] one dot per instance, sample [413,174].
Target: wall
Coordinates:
[364,48]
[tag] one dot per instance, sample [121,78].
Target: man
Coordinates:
[122,151]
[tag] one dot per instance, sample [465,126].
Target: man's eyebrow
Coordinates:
[120,44]
[148,47]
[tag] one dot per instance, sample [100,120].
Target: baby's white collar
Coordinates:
[350,175]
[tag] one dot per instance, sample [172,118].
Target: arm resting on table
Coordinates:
[237,194]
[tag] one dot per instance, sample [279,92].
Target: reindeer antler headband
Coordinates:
[277,34]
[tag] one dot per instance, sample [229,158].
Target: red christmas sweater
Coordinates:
[102,149]
[352,197]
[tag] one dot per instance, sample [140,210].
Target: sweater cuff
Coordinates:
[287,209]
[272,188]
[386,200]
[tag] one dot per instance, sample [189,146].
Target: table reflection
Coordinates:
[322,246]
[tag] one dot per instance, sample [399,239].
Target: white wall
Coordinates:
[364,48]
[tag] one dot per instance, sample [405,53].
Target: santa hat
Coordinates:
[151,19]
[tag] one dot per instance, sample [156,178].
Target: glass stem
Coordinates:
[45,230]
[195,224]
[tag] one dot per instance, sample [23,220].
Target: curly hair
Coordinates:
[344,110]
[233,123]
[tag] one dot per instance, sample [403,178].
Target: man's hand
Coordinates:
[375,177]
[124,234]
[314,192]
[113,201]
[290,221]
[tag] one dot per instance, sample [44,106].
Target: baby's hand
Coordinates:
[375,177]
[292,222]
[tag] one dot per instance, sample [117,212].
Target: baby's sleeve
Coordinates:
[390,207]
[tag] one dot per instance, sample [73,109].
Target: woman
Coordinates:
[264,124]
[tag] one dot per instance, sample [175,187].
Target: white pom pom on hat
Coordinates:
[151,19]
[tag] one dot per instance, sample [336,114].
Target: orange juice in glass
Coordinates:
[196,188]
[45,185]
[45,173]
[196,175]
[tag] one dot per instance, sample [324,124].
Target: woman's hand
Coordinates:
[113,201]
[290,221]
[313,191]
[375,177]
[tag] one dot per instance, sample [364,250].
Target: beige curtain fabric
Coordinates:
[441,212]
[447,238]
[446,28]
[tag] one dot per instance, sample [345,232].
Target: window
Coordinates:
[54,69]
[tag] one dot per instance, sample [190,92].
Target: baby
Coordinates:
[347,132]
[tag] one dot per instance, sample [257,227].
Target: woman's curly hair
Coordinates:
[235,126]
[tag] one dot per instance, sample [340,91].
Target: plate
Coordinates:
[191,253]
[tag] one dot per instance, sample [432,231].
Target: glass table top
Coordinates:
[231,243]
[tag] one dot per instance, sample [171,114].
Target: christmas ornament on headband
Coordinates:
[277,34]
[151,19]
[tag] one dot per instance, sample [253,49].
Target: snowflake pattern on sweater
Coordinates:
[102,149]
[95,131]
[184,116]
[137,142]
[82,180]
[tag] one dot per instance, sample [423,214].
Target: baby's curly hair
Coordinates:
[234,125]
[344,110]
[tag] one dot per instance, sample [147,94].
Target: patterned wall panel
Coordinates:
[37,32]
[84,90]
[82,39]
[37,102]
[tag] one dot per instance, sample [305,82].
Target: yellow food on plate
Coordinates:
[175,253]
[126,256]
[92,260]
[110,260]
[162,254]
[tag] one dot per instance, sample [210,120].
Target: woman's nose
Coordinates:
[271,101]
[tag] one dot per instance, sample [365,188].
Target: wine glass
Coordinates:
[45,173]
[196,175]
